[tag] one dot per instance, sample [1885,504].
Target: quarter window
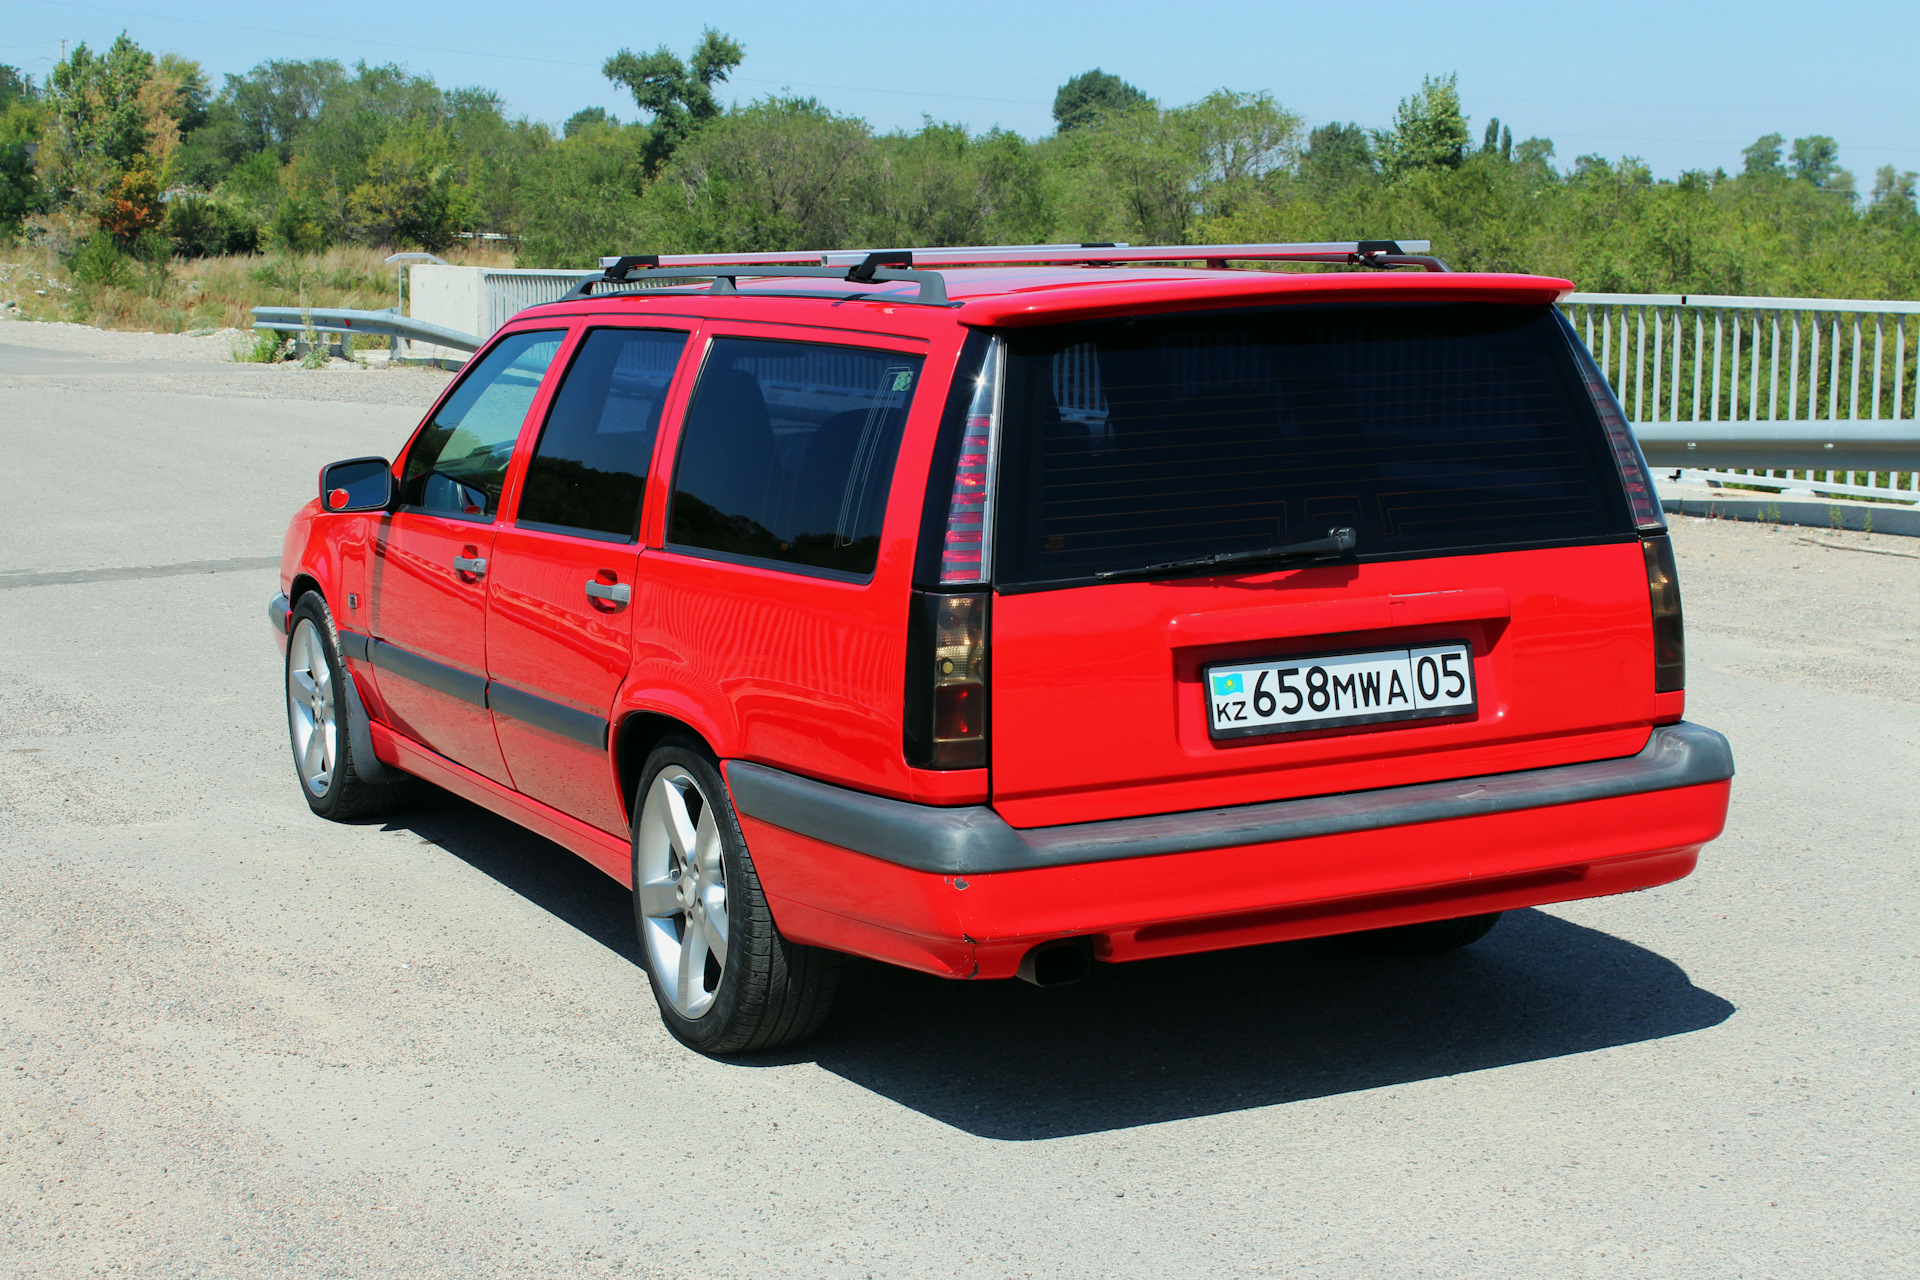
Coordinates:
[590,467]
[788,453]
[459,460]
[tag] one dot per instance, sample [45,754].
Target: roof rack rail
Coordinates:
[884,266]
[1371,253]
[1365,253]
[873,266]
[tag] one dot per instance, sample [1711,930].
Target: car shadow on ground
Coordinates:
[1172,1039]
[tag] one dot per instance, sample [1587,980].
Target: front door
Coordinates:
[561,589]
[429,584]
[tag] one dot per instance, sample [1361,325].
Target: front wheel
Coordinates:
[320,721]
[1428,938]
[725,980]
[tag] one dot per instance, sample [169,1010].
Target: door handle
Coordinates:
[614,592]
[475,565]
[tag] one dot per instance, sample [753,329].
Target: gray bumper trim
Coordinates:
[973,839]
[279,610]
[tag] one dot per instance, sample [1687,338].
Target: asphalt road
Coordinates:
[238,1041]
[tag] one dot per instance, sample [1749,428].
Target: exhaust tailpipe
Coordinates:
[1059,963]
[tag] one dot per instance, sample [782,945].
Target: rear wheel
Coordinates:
[1430,937]
[319,721]
[725,980]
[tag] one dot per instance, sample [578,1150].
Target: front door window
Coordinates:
[459,460]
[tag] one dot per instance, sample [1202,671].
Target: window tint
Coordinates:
[458,461]
[788,452]
[1424,427]
[591,464]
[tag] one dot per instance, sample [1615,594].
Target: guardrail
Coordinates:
[341,320]
[1751,391]
[1693,372]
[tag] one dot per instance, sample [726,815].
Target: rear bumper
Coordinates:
[957,891]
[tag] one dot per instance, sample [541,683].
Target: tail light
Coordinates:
[946,695]
[946,721]
[967,540]
[1669,635]
[1642,498]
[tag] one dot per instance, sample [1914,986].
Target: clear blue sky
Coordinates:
[1684,85]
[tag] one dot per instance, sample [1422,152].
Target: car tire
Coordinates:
[320,727]
[1428,938]
[725,980]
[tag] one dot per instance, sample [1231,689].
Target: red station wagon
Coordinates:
[994,612]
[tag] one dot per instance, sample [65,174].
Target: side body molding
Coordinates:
[974,840]
[554,717]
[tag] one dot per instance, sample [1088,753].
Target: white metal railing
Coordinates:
[511,291]
[1800,394]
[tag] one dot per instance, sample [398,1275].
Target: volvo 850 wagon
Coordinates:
[999,612]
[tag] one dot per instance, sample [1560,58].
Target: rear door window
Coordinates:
[459,460]
[590,467]
[788,453]
[1426,428]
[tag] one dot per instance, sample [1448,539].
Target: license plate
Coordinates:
[1333,690]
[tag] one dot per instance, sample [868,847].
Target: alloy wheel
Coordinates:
[682,891]
[310,708]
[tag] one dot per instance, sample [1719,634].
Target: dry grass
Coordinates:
[205,293]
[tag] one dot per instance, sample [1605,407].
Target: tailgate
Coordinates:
[1392,482]
[1099,710]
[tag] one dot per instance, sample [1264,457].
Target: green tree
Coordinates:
[1337,156]
[677,96]
[1146,173]
[19,187]
[274,105]
[1762,159]
[1893,192]
[411,195]
[580,199]
[783,173]
[1429,132]
[589,118]
[15,86]
[1497,140]
[99,123]
[1085,98]
[1816,160]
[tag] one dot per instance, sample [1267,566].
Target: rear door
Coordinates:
[1458,444]
[767,606]
[429,583]
[560,617]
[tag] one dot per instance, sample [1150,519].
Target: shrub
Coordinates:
[98,261]
[133,207]
[267,346]
[202,227]
[295,228]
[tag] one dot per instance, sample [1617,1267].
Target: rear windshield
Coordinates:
[1425,428]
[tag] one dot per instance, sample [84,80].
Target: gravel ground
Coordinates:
[1824,609]
[237,1041]
[73,358]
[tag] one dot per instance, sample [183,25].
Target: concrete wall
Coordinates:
[454,297]
[477,300]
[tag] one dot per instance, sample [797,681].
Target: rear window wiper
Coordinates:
[1336,541]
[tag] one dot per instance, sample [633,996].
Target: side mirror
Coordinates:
[358,484]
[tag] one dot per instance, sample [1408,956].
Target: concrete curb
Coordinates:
[1815,514]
